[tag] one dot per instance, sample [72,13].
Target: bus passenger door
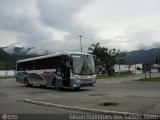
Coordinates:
[66,75]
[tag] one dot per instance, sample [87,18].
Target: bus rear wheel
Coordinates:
[43,86]
[55,85]
[26,83]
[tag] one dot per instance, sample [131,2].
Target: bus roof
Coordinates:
[51,55]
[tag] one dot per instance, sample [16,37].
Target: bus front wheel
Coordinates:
[78,88]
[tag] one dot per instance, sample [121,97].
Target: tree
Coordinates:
[111,61]
[95,49]
[104,56]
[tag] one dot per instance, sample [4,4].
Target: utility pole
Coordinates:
[158,64]
[158,61]
[145,70]
[135,66]
[80,41]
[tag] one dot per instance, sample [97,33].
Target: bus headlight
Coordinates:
[73,77]
[93,77]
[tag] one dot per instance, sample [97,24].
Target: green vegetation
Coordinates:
[114,76]
[8,61]
[104,57]
[7,65]
[155,79]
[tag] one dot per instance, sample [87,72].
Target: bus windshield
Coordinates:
[83,64]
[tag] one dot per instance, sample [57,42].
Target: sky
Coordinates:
[54,25]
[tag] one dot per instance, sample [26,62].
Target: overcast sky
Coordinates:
[54,25]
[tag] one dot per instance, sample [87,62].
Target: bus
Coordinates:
[59,70]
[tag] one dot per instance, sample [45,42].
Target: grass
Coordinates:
[155,79]
[114,76]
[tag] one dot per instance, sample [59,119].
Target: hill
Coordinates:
[143,56]
[8,61]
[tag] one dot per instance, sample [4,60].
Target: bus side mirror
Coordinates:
[71,62]
[94,57]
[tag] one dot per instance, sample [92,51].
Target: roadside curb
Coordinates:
[77,108]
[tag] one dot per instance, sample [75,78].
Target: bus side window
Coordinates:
[38,64]
[31,65]
[23,67]
[34,66]
[18,66]
[53,63]
[28,66]
[47,63]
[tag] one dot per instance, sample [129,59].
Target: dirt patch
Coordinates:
[96,94]
[109,104]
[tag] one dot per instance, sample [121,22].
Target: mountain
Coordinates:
[8,61]
[4,56]
[142,56]
[17,50]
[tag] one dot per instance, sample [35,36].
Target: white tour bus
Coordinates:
[60,70]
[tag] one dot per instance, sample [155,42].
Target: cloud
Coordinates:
[58,14]
[7,37]
[20,17]
[123,18]
[142,37]
[156,44]
[53,25]
[9,49]
[144,46]
[47,25]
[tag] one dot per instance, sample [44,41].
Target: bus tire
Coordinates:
[55,86]
[78,88]
[54,82]
[26,83]
[59,88]
[42,86]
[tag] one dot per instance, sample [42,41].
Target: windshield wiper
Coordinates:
[83,68]
[90,65]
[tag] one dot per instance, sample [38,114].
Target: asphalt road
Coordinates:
[11,102]
[135,95]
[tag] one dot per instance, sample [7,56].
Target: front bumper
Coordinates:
[77,83]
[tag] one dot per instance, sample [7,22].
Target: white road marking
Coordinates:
[77,108]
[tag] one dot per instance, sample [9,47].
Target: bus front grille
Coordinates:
[85,80]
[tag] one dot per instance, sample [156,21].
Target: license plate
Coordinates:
[86,82]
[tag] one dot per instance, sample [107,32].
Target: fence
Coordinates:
[126,68]
[136,68]
[7,73]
